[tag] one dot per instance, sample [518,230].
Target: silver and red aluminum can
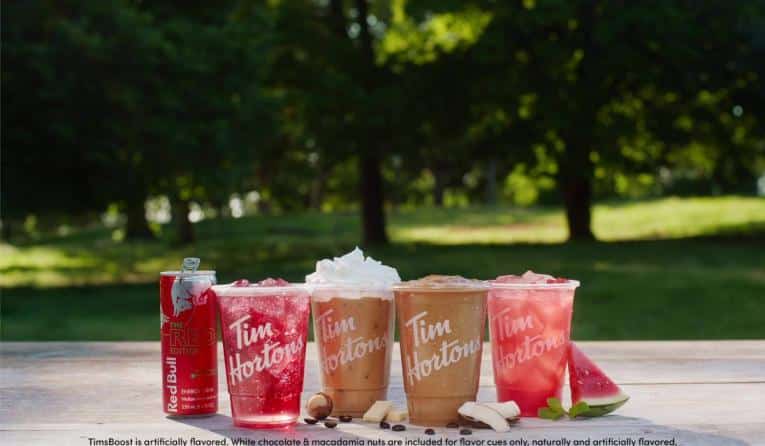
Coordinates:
[189,343]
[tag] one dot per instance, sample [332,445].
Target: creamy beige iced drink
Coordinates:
[441,326]
[353,317]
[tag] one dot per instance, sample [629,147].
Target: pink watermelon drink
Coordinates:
[530,325]
[264,330]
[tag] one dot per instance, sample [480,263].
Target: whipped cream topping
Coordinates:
[353,269]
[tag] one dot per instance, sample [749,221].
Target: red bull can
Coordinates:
[189,341]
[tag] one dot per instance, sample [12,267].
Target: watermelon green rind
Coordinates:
[597,411]
[591,385]
[621,398]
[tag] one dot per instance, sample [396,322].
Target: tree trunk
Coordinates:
[491,182]
[395,195]
[318,184]
[372,200]
[577,197]
[337,17]
[136,226]
[222,209]
[439,187]
[184,229]
[264,206]
[575,183]
[6,233]
[576,167]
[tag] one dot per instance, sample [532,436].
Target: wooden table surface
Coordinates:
[60,393]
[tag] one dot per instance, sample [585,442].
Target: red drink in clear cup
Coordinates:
[530,325]
[264,328]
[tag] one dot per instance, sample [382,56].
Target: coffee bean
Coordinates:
[310,420]
[398,427]
[453,425]
[429,431]
[330,424]
[465,432]
[384,425]
[345,418]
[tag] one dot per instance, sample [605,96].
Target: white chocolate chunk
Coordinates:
[477,412]
[397,415]
[378,411]
[509,410]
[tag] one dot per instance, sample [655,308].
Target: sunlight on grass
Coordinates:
[293,242]
[38,257]
[86,286]
[668,218]
[458,234]
[41,265]
[678,217]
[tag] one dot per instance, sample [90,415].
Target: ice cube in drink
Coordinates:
[264,329]
[530,326]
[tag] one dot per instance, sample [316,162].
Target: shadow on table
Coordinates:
[224,425]
[613,426]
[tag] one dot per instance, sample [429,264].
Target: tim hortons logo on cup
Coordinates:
[450,352]
[505,327]
[272,354]
[352,348]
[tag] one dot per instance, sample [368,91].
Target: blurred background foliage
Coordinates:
[273,132]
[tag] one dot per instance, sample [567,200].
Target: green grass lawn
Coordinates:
[667,269]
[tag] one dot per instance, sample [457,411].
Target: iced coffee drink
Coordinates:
[441,326]
[353,316]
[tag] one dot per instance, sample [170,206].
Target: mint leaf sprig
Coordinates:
[578,409]
[555,411]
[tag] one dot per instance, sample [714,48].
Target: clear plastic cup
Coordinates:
[265,330]
[353,327]
[441,327]
[530,326]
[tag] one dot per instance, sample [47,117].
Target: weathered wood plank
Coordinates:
[698,393]
[599,349]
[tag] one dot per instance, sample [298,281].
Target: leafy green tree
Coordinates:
[89,133]
[136,105]
[326,64]
[220,114]
[606,68]
[461,97]
[594,82]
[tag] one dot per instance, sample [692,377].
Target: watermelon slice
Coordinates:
[589,384]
